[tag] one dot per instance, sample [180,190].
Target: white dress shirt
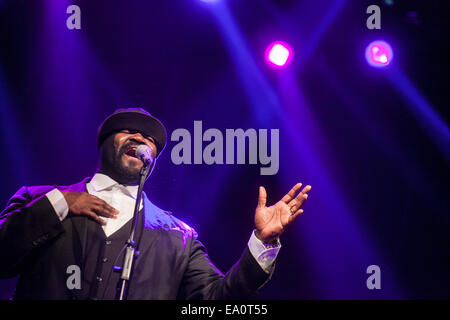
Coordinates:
[123,198]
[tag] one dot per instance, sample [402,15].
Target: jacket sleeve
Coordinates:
[27,224]
[202,280]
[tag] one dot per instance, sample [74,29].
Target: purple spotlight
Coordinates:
[379,54]
[278,54]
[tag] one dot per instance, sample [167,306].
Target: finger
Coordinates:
[302,196]
[111,211]
[104,211]
[100,201]
[292,205]
[106,208]
[95,217]
[300,201]
[306,189]
[262,200]
[295,215]
[291,194]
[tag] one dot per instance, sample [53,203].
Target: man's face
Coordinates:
[118,156]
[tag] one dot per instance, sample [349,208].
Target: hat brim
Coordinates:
[132,120]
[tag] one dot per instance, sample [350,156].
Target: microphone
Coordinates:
[144,153]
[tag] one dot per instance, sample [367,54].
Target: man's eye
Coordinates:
[129,131]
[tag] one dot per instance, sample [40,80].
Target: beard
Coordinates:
[113,165]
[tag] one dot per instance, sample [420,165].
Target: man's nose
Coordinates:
[138,137]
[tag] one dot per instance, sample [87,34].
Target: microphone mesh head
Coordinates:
[144,151]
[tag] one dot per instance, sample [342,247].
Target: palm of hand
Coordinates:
[270,222]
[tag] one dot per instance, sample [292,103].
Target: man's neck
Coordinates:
[116,178]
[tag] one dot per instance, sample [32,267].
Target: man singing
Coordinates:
[46,232]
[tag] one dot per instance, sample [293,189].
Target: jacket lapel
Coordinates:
[153,222]
[79,225]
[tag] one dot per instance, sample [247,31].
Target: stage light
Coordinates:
[278,54]
[379,54]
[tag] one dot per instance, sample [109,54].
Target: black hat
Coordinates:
[133,119]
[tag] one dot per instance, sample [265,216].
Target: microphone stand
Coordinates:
[131,252]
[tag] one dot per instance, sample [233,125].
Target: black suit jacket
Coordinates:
[173,264]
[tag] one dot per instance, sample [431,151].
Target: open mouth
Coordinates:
[131,152]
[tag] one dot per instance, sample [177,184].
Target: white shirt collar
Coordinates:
[102,182]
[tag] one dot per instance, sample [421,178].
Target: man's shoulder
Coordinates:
[33,191]
[42,189]
[36,191]
[156,217]
[179,225]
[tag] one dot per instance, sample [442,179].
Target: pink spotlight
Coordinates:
[278,54]
[379,54]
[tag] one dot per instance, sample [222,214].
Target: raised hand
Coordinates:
[270,222]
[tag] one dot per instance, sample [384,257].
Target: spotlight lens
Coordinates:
[278,54]
[379,54]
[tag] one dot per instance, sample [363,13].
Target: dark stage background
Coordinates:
[372,142]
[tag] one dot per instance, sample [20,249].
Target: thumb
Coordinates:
[262,197]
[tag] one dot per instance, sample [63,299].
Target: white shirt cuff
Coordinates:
[265,254]
[59,203]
